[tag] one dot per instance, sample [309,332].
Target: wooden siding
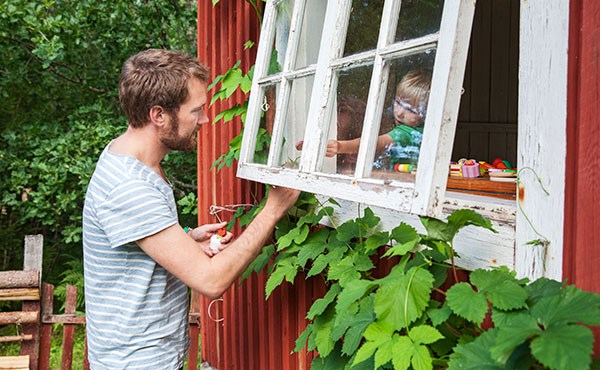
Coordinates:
[582,195]
[253,333]
[487,120]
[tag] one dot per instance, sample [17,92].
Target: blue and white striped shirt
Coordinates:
[136,311]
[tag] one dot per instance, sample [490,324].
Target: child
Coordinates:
[402,143]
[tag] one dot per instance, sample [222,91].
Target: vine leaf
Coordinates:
[358,324]
[377,240]
[467,303]
[322,327]
[260,261]
[378,335]
[406,237]
[314,245]
[572,305]
[476,354]
[321,304]
[564,347]
[463,217]
[286,268]
[404,298]
[516,328]
[500,288]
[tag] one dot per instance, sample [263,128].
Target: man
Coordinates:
[138,261]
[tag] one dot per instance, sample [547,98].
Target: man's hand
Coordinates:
[280,200]
[203,233]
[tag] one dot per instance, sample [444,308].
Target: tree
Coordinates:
[60,64]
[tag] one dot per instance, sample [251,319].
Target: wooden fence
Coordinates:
[37,320]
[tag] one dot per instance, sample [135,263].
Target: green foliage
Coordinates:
[393,322]
[60,64]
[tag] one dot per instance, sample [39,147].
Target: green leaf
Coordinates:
[467,303]
[379,343]
[402,300]
[322,327]
[333,361]
[344,271]
[564,347]
[348,231]
[571,306]
[403,352]
[287,269]
[260,261]
[302,338]
[369,220]
[540,288]
[515,330]
[353,291]
[377,240]
[314,245]
[321,304]
[424,334]
[439,315]
[421,359]
[357,325]
[464,217]
[437,229]
[500,288]
[476,354]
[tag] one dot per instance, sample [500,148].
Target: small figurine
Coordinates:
[215,240]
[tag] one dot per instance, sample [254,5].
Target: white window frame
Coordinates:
[425,195]
[543,57]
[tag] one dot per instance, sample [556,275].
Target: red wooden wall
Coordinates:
[582,194]
[255,334]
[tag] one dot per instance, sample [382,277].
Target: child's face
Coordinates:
[406,114]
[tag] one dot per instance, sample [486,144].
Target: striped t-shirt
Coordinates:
[136,311]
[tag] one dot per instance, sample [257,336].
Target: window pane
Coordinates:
[280,42]
[363,27]
[403,118]
[310,35]
[419,18]
[263,139]
[295,122]
[347,120]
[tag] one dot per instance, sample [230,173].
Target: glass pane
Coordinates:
[282,31]
[263,138]
[295,122]
[403,117]
[347,119]
[310,35]
[363,27]
[419,18]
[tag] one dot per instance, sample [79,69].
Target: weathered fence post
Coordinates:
[34,246]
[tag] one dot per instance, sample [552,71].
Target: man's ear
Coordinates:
[157,115]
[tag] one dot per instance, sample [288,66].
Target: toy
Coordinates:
[470,169]
[407,168]
[215,240]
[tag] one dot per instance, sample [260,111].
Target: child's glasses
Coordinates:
[407,106]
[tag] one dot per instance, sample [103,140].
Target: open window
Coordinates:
[336,70]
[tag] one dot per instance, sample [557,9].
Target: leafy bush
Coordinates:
[491,321]
[60,64]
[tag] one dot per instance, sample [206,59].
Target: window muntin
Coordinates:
[313,173]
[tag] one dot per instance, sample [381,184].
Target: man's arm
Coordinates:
[174,250]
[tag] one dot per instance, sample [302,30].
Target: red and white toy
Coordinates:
[215,240]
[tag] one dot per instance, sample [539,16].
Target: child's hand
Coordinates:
[333,147]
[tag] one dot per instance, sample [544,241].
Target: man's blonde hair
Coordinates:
[157,77]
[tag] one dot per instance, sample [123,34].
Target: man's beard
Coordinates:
[175,142]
